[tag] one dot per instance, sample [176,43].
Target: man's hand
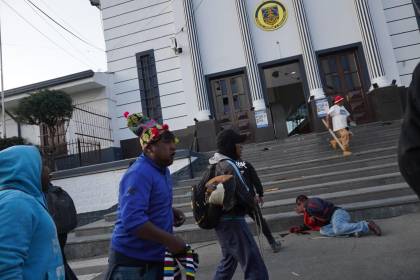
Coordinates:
[259,200]
[295,229]
[179,217]
[176,245]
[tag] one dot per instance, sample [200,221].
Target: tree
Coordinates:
[46,107]
[12,141]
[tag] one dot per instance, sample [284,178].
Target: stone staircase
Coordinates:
[368,184]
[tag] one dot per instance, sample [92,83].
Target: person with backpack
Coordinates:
[233,233]
[29,247]
[331,220]
[62,210]
[251,177]
[144,228]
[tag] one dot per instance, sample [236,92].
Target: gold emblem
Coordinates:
[270,15]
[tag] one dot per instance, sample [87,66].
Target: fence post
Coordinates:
[79,152]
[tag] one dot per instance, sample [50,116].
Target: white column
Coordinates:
[251,63]
[370,44]
[199,81]
[309,58]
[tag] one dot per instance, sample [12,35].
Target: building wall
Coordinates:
[131,27]
[135,26]
[405,35]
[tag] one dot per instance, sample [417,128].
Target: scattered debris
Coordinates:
[295,274]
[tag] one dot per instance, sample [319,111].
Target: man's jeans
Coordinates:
[238,245]
[341,225]
[153,272]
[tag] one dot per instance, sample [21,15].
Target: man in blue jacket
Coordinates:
[143,231]
[29,247]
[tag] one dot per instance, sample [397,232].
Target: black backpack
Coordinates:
[206,215]
[62,209]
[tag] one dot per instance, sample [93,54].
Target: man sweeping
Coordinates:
[340,117]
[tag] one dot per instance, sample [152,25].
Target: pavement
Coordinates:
[393,256]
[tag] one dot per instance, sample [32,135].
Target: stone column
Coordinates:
[251,63]
[370,44]
[309,58]
[199,81]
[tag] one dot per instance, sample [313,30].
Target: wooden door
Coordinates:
[342,76]
[232,103]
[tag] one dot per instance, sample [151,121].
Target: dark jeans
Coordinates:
[264,226]
[238,246]
[121,267]
[147,272]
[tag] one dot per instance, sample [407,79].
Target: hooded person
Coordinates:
[409,145]
[29,248]
[233,233]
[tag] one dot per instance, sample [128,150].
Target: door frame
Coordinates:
[210,77]
[364,73]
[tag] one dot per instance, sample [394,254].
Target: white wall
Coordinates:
[405,35]
[131,27]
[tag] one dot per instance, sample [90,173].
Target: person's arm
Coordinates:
[255,180]
[134,205]
[16,230]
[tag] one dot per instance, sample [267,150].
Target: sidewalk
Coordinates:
[393,256]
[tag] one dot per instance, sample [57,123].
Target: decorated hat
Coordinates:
[148,130]
[338,99]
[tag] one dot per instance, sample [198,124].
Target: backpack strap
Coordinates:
[238,173]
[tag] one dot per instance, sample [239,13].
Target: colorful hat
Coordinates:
[338,99]
[148,130]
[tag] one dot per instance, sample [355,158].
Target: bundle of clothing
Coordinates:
[188,260]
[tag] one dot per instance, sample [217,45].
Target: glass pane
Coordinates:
[352,81]
[351,58]
[325,66]
[236,85]
[226,107]
[223,87]
[344,63]
[236,102]
[332,64]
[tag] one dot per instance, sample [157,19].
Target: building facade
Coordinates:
[262,67]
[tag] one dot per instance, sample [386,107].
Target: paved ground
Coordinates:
[393,256]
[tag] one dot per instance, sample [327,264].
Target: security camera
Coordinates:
[174,46]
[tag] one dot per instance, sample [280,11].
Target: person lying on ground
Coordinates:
[336,221]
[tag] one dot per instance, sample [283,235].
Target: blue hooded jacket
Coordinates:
[29,247]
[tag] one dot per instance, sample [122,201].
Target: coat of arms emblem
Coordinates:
[270,14]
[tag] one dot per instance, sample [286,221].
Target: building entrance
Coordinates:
[342,76]
[232,103]
[286,99]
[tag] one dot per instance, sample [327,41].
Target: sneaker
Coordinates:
[346,153]
[373,227]
[275,246]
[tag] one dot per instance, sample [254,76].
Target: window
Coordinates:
[148,84]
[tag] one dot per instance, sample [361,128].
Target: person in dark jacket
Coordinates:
[47,189]
[233,233]
[257,190]
[409,145]
[337,221]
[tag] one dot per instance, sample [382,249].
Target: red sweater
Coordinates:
[311,224]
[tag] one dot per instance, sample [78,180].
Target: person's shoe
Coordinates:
[275,246]
[346,153]
[333,144]
[373,227]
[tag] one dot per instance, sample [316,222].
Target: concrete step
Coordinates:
[326,177]
[362,131]
[272,166]
[273,192]
[281,173]
[97,245]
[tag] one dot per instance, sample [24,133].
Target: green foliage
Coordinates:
[12,141]
[49,107]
